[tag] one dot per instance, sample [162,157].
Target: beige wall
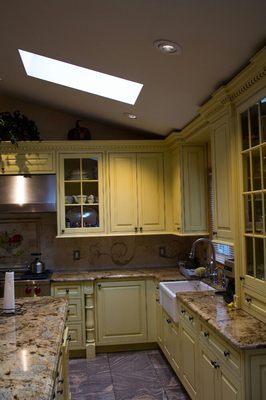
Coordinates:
[55,124]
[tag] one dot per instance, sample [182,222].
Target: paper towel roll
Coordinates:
[9,293]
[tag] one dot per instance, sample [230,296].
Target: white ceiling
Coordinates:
[116,37]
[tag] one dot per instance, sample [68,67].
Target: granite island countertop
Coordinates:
[29,348]
[237,327]
[162,274]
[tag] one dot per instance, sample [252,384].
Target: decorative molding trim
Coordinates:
[253,80]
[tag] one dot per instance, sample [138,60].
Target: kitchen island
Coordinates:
[30,348]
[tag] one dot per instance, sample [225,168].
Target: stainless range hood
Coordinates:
[34,193]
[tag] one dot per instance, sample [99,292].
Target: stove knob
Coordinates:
[28,290]
[37,290]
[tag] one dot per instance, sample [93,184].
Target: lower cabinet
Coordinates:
[121,312]
[188,357]
[171,341]
[61,387]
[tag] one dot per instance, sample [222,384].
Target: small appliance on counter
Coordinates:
[36,266]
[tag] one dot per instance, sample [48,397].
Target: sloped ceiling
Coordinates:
[116,37]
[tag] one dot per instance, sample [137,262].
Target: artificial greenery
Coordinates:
[15,127]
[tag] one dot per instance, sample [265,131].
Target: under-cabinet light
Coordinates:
[84,79]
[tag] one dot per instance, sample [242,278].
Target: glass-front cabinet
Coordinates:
[80,194]
[253,142]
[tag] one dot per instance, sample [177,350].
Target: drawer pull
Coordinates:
[60,391]
[157,300]
[183,311]
[99,286]
[67,291]
[140,229]
[136,229]
[215,364]
[190,318]
[69,338]
[168,321]
[226,353]
[248,300]
[60,380]
[242,278]
[206,334]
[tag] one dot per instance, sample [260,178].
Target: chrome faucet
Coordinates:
[212,264]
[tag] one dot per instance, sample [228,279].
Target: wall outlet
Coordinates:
[76,255]
[162,251]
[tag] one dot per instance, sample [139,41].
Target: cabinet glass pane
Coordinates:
[90,190]
[244,129]
[258,215]
[246,172]
[73,217]
[72,169]
[256,170]
[264,165]
[72,193]
[263,119]
[259,254]
[90,216]
[248,213]
[90,168]
[254,125]
[249,256]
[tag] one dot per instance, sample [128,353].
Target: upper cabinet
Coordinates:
[188,195]
[136,192]
[21,162]
[252,121]
[222,167]
[80,194]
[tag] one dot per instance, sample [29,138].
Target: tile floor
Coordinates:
[135,375]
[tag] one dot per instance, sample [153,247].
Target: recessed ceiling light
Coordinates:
[130,116]
[84,79]
[167,47]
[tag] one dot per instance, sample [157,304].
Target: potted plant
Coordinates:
[15,127]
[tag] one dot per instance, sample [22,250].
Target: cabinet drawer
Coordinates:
[70,290]
[254,302]
[225,353]
[75,310]
[188,317]
[75,332]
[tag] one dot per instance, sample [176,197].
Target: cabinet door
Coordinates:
[208,375]
[188,356]
[167,335]
[194,189]
[175,347]
[80,194]
[258,376]
[123,192]
[230,388]
[159,323]
[222,180]
[121,312]
[176,189]
[151,192]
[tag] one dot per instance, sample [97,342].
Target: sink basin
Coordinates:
[168,291]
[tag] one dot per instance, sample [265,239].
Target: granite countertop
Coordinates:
[29,348]
[162,274]
[236,326]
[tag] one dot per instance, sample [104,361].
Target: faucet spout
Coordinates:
[209,242]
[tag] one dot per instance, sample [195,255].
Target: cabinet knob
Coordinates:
[206,334]
[183,311]
[190,318]
[168,321]
[242,278]
[63,231]
[214,233]
[136,229]
[60,391]
[99,286]
[226,353]
[140,229]
[67,291]
[60,380]
[248,300]
[69,338]
[157,300]
[215,364]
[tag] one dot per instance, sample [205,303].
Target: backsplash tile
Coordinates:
[100,252]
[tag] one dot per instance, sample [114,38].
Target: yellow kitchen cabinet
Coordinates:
[21,162]
[80,194]
[188,344]
[171,342]
[216,382]
[188,190]
[80,322]
[61,386]
[136,192]
[222,146]
[121,312]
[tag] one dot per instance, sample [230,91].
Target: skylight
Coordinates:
[86,80]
